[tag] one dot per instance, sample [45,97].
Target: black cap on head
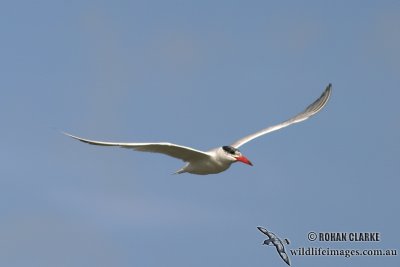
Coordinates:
[230,150]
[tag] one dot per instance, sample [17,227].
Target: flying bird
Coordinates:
[273,240]
[218,159]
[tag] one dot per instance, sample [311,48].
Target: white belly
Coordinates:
[206,167]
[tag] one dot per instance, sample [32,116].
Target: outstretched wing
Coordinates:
[277,243]
[263,230]
[280,248]
[311,110]
[284,257]
[266,232]
[180,152]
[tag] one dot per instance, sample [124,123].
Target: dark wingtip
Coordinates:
[73,136]
[262,229]
[329,87]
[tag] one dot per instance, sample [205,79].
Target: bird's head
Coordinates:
[267,242]
[234,155]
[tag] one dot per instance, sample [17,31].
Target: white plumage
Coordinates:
[218,159]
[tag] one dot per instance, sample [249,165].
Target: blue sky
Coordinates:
[203,75]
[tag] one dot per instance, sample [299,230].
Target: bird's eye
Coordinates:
[230,149]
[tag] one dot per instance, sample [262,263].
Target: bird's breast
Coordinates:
[204,167]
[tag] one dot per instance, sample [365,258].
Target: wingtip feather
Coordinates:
[70,135]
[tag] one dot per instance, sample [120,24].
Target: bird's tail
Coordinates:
[182,170]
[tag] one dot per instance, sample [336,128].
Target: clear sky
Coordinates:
[200,74]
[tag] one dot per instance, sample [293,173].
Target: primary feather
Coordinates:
[180,152]
[311,110]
